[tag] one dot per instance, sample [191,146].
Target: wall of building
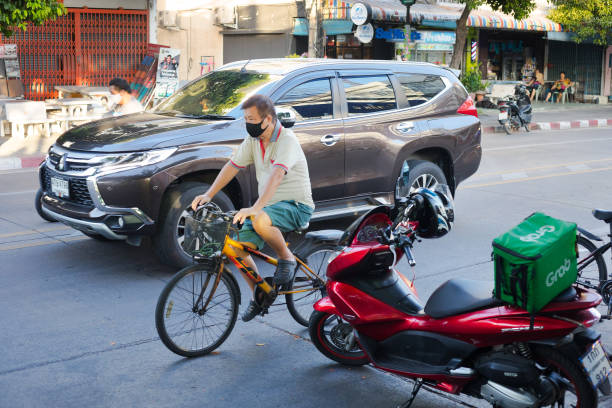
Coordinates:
[108,4]
[195,34]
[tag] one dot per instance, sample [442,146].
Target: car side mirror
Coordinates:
[286,116]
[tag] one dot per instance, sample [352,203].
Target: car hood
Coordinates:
[137,132]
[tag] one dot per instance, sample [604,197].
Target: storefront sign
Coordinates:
[361,13]
[365,33]
[391,34]
[433,37]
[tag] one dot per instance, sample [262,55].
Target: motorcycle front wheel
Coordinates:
[330,335]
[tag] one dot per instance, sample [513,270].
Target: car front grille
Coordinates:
[79,193]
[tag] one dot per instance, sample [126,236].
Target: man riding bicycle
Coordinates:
[285,197]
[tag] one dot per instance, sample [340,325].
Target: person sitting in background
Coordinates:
[560,85]
[534,83]
[121,95]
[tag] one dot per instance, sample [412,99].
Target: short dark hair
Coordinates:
[120,83]
[562,72]
[263,104]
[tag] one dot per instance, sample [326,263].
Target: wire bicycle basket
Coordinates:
[205,233]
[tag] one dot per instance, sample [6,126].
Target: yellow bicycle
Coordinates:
[197,309]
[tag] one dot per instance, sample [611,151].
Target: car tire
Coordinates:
[38,206]
[177,200]
[425,174]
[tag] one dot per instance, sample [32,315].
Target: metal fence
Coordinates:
[84,47]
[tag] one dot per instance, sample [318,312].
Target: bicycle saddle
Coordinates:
[603,215]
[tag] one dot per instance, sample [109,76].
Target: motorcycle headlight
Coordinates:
[125,161]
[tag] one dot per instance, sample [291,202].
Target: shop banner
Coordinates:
[167,72]
[433,37]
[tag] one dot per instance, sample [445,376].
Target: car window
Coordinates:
[420,88]
[367,94]
[310,100]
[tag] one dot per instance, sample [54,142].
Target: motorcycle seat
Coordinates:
[457,296]
[603,215]
[332,236]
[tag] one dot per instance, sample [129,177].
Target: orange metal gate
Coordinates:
[84,47]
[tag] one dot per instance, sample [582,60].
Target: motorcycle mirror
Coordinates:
[402,185]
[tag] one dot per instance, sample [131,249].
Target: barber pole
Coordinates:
[474,50]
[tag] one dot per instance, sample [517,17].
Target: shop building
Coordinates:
[96,41]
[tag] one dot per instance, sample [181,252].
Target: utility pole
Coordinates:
[408,3]
[315,47]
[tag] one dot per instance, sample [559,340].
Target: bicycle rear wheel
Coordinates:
[592,271]
[184,325]
[308,289]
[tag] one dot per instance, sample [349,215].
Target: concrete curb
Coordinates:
[15,163]
[574,124]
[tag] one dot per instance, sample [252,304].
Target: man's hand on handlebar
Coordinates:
[200,200]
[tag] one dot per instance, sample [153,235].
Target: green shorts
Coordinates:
[285,215]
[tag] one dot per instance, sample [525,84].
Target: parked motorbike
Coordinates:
[462,340]
[515,110]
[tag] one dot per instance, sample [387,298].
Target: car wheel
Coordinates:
[168,240]
[38,206]
[425,174]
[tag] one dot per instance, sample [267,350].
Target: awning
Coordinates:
[493,19]
[447,14]
[300,26]
[382,10]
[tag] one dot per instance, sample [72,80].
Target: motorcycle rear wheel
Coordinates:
[508,127]
[579,393]
[326,334]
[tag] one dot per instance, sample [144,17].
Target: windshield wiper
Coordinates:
[191,116]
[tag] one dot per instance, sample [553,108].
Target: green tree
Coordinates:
[589,19]
[17,14]
[517,8]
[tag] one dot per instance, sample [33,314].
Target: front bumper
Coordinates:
[86,211]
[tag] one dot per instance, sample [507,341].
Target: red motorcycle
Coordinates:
[462,340]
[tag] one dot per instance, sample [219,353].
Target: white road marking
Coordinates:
[576,167]
[18,192]
[527,146]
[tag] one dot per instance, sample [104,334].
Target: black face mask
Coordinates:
[254,129]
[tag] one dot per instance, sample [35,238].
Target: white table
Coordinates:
[72,106]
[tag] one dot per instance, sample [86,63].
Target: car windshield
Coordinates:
[218,94]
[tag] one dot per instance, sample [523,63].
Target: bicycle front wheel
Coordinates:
[197,310]
[592,270]
[306,288]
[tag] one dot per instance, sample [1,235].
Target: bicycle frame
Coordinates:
[230,248]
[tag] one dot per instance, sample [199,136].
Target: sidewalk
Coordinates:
[554,116]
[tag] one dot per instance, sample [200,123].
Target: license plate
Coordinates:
[59,187]
[596,364]
[503,115]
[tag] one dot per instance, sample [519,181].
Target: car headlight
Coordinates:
[126,161]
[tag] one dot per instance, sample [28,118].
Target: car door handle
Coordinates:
[330,140]
[405,126]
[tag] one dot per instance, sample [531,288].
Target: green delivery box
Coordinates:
[535,261]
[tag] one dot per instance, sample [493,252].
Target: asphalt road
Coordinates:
[77,314]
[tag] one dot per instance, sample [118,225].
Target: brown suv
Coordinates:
[131,176]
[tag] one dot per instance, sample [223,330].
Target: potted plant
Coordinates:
[472,80]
